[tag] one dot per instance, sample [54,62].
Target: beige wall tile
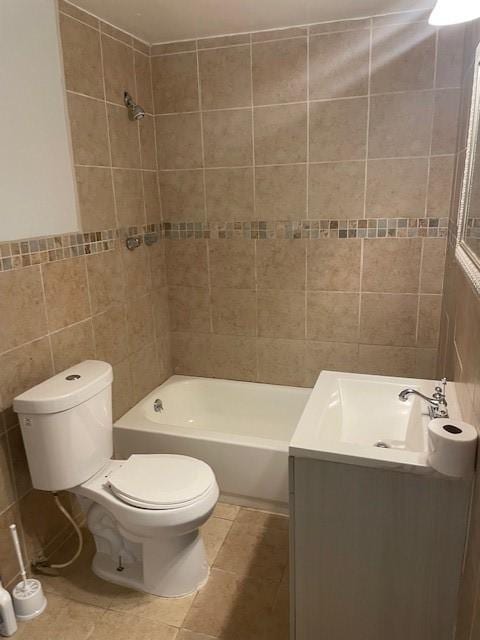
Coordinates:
[32,364]
[229,194]
[440,183]
[136,272]
[105,279]
[281,314]
[338,130]
[450,56]
[225,77]
[190,354]
[396,188]
[81,57]
[340,25]
[234,311]
[178,141]
[329,356]
[280,134]
[161,312]
[280,264]
[111,335]
[122,396]
[22,308]
[186,263]
[129,197]
[280,192]
[400,124]
[390,361]
[175,86]
[281,361]
[426,363]
[444,134]
[232,357]
[7,485]
[145,377]
[73,345]
[173,47]
[189,309]
[391,265]
[403,58]
[66,292]
[74,12]
[429,320]
[118,34]
[333,265]
[232,264]
[279,71]
[278,34]
[140,332]
[153,208]
[147,142]
[223,41]
[124,140]
[95,198]
[339,64]
[433,265]
[158,267]
[228,138]
[332,316]
[118,70]
[21,473]
[88,125]
[336,190]
[143,78]
[388,319]
[182,195]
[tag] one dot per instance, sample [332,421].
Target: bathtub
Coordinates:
[241,429]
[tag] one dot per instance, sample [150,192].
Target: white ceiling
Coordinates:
[167,20]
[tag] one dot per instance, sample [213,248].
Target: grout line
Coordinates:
[254,195]
[204,180]
[44,298]
[369,82]
[419,291]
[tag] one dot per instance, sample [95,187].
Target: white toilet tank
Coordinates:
[66,424]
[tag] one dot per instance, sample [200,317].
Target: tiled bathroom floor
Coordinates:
[246,597]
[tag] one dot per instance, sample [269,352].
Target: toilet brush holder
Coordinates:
[28,599]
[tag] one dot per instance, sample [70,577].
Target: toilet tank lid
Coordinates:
[66,389]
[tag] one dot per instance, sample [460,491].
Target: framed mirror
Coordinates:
[468,233]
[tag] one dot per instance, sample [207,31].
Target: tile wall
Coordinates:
[459,351]
[305,179]
[69,298]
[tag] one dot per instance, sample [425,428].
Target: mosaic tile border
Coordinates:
[19,254]
[309,229]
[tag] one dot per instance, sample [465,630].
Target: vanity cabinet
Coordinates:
[376,554]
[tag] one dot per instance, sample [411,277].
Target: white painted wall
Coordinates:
[37,190]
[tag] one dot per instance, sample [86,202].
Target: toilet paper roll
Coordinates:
[452,447]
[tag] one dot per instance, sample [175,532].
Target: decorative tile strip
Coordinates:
[309,229]
[18,254]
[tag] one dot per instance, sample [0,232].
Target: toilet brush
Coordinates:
[28,598]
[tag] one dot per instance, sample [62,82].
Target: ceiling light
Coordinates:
[454,12]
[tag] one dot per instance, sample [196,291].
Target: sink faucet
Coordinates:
[437,404]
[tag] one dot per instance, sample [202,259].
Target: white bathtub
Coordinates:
[241,429]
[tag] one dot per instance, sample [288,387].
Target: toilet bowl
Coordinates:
[144,512]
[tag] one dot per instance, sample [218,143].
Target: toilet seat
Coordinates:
[160,481]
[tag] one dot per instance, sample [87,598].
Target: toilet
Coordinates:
[144,512]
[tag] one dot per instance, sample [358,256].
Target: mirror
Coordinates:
[468,233]
[37,185]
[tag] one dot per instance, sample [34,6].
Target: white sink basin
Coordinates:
[359,419]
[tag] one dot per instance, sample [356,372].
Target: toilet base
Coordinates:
[171,568]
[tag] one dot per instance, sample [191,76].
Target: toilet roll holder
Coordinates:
[437,404]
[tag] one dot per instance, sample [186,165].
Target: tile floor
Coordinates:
[245,598]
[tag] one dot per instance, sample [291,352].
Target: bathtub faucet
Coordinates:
[158,405]
[437,404]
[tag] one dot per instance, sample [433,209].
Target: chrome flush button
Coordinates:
[73,376]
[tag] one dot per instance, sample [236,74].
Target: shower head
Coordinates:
[135,111]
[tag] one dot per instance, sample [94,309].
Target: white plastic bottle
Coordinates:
[8,622]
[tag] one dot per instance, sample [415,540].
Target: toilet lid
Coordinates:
[163,481]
